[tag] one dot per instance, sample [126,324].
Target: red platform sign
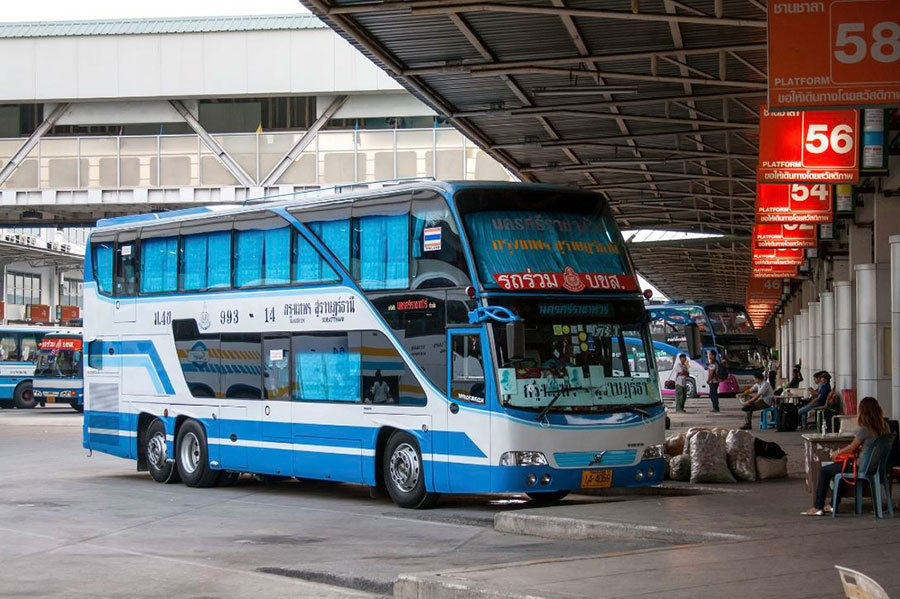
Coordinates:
[785,236]
[778,256]
[794,203]
[834,53]
[775,271]
[762,289]
[819,146]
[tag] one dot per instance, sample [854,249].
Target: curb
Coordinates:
[409,586]
[555,527]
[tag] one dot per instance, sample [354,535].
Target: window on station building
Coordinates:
[206,255]
[73,292]
[23,288]
[159,259]
[125,279]
[262,251]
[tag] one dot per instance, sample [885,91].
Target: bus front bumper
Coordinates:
[537,479]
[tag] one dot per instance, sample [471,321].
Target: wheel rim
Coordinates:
[156,450]
[189,456]
[405,468]
[27,394]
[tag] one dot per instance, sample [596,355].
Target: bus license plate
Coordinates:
[596,479]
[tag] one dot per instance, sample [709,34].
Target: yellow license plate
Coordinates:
[596,479]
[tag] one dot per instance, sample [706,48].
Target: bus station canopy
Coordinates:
[654,103]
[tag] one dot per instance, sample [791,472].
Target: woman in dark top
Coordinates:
[872,425]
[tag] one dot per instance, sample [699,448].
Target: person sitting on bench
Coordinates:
[761,397]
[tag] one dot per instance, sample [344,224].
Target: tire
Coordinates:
[155,452]
[192,456]
[78,407]
[404,473]
[7,404]
[547,496]
[24,396]
[690,389]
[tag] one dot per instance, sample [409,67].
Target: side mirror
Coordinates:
[694,344]
[515,339]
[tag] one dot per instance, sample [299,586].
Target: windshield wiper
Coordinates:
[559,393]
[628,408]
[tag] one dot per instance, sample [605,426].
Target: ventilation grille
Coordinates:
[103,397]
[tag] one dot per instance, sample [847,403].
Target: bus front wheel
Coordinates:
[24,396]
[192,456]
[161,469]
[690,389]
[404,475]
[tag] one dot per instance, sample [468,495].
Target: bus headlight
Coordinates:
[653,452]
[523,458]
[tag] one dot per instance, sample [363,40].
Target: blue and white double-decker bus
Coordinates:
[420,338]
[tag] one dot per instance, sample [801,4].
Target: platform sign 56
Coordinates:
[777,257]
[834,53]
[794,203]
[817,146]
[785,236]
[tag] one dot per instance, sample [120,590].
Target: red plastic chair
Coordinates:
[848,403]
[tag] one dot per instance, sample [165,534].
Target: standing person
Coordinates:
[872,425]
[681,371]
[712,378]
[772,368]
[761,397]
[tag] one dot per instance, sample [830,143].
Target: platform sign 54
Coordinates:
[817,146]
[794,203]
[834,53]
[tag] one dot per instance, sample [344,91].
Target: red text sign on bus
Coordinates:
[61,343]
[785,236]
[794,203]
[834,53]
[819,146]
[568,280]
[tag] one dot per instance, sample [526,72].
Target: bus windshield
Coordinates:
[667,325]
[550,241]
[730,320]
[59,357]
[590,354]
[746,356]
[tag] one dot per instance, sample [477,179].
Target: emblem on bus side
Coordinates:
[571,280]
[204,319]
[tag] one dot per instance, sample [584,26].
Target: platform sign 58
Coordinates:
[834,53]
[817,146]
[794,203]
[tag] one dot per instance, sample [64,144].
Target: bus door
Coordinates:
[102,392]
[275,427]
[468,420]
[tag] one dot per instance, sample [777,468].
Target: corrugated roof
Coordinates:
[153,26]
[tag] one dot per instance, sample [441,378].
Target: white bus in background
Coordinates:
[420,338]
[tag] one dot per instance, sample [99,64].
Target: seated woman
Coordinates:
[872,425]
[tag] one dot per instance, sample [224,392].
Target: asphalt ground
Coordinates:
[76,526]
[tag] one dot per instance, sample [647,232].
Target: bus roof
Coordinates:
[317,197]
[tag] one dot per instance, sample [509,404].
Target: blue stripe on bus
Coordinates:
[138,354]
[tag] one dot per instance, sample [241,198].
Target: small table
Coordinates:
[795,396]
[817,449]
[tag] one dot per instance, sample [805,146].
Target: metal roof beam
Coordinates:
[438,7]
[492,66]
[644,150]
[595,75]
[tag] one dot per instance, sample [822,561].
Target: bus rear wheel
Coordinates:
[24,397]
[404,475]
[192,456]
[158,464]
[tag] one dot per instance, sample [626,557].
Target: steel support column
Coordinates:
[32,141]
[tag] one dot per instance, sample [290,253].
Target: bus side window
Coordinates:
[262,250]
[205,255]
[308,266]
[95,354]
[468,369]
[159,259]
[9,347]
[126,265]
[381,252]
[437,254]
[102,264]
[28,344]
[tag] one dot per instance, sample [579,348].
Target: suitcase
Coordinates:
[788,418]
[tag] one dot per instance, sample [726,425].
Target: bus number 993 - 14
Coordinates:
[228,317]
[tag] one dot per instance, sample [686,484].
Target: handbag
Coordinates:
[848,460]
[669,384]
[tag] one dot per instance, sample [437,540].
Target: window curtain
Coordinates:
[384,252]
[195,257]
[277,254]
[325,369]
[218,259]
[309,266]
[103,266]
[335,234]
[248,269]
[159,264]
